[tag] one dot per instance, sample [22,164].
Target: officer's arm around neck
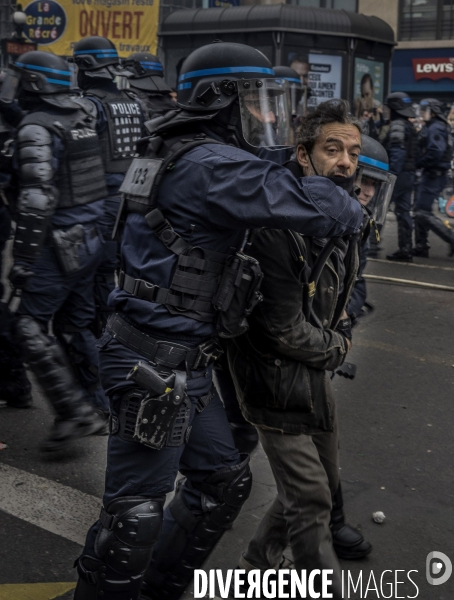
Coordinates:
[246,191]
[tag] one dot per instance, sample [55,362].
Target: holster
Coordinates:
[156,415]
[66,244]
[237,295]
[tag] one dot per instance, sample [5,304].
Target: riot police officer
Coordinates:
[375,187]
[435,155]
[147,85]
[15,387]
[401,143]
[57,246]
[190,200]
[119,126]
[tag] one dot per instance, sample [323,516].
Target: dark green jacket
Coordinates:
[281,366]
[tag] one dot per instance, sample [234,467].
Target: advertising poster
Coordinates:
[321,72]
[369,84]
[132,25]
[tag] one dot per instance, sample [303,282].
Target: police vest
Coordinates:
[402,132]
[153,105]
[206,286]
[80,177]
[445,160]
[412,147]
[124,129]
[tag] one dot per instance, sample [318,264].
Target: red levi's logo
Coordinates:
[433,68]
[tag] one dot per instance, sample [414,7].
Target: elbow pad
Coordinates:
[36,206]
[37,199]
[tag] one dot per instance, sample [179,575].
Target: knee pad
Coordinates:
[130,527]
[225,492]
[123,545]
[194,536]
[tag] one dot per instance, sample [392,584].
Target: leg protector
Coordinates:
[193,536]
[348,542]
[47,361]
[123,547]
[421,230]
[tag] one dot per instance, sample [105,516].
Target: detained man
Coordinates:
[282,366]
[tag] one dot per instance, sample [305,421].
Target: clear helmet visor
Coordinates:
[376,188]
[10,86]
[266,115]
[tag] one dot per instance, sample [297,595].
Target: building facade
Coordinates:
[423,61]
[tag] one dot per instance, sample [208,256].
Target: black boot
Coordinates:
[421,251]
[401,256]
[348,542]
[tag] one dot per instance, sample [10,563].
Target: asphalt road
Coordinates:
[397,455]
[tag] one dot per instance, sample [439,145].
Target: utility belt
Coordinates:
[66,243]
[157,412]
[165,353]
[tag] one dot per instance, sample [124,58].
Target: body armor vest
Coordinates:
[124,129]
[80,177]
[412,147]
[153,105]
[445,161]
[206,286]
[409,136]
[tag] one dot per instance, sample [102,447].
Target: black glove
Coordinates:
[19,275]
[344,327]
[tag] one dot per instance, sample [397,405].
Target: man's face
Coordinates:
[367,185]
[302,68]
[335,152]
[256,109]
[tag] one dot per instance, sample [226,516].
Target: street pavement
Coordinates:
[397,455]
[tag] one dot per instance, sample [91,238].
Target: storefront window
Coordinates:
[447,20]
[426,19]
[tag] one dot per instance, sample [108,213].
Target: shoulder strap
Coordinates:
[174,149]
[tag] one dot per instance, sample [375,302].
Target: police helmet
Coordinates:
[220,74]
[38,74]
[146,73]
[374,178]
[94,53]
[400,102]
[435,106]
[296,88]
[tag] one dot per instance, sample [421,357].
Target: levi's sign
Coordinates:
[433,68]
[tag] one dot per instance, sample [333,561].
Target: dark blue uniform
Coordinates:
[401,145]
[212,195]
[435,160]
[68,299]
[105,273]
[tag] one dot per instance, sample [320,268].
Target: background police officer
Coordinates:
[401,144]
[56,246]
[119,126]
[186,216]
[435,155]
[147,85]
[14,385]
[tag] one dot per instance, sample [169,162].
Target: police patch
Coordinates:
[124,127]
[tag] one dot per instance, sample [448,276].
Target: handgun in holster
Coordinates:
[160,417]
